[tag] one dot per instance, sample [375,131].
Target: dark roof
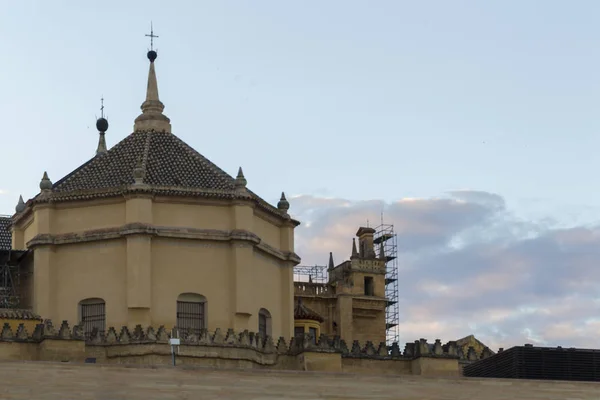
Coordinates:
[528,362]
[10,313]
[5,235]
[303,312]
[166,160]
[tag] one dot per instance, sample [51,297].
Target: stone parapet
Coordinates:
[231,349]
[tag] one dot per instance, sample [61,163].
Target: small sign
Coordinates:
[174,341]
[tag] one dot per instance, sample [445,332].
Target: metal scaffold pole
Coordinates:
[386,238]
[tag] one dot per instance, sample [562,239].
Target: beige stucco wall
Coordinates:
[140,275]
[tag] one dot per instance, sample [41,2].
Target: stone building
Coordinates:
[150,232]
[351,304]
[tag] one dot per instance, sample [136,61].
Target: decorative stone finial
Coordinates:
[102,126]
[331,265]
[283,204]
[354,251]
[45,183]
[152,117]
[240,181]
[20,205]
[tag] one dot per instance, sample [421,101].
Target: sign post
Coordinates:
[174,342]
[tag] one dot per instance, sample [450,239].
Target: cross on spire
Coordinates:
[102,107]
[151,36]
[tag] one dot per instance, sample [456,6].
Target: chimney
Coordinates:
[365,242]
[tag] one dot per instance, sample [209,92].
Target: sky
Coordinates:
[471,125]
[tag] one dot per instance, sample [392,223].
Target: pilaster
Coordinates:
[241,268]
[138,209]
[42,282]
[139,262]
[287,237]
[139,279]
[344,306]
[287,300]
[18,238]
[43,219]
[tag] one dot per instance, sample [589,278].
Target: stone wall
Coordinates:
[228,349]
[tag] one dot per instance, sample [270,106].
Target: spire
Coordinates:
[354,251]
[152,117]
[331,265]
[102,126]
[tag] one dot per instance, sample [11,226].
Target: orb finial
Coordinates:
[240,181]
[20,205]
[152,54]
[283,204]
[102,126]
[45,183]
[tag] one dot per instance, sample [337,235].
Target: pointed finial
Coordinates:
[283,204]
[45,183]
[102,126]
[152,117]
[331,265]
[354,251]
[20,205]
[240,181]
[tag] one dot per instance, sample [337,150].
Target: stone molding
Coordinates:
[162,231]
[123,191]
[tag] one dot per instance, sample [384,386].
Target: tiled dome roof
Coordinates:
[165,159]
[303,312]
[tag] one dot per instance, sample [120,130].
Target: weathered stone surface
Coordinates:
[65,381]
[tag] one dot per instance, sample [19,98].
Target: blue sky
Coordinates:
[338,103]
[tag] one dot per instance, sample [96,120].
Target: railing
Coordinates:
[312,289]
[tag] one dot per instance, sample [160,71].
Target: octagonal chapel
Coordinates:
[151,232]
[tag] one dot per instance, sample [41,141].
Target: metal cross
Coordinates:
[151,36]
[102,107]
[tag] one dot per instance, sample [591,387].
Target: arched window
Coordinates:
[92,315]
[264,322]
[191,312]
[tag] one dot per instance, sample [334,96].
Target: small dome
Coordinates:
[102,124]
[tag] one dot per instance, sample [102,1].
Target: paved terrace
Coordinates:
[54,381]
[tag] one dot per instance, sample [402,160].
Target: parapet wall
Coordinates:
[229,349]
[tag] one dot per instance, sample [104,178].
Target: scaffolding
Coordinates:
[10,277]
[315,273]
[386,237]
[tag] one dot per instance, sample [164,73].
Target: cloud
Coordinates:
[469,265]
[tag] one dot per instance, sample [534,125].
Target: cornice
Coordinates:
[237,235]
